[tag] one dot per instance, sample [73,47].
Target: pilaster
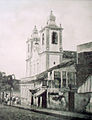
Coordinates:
[60,39]
[60,45]
[47,39]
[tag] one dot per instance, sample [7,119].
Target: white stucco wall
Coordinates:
[28,68]
[34,65]
[52,59]
[42,60]
[25,93]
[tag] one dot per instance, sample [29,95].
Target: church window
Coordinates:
[44,83]
[43,39]
[28,47]
[54,38]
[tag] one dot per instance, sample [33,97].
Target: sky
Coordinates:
[18,18]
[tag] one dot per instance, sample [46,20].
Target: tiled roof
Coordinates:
[65,63]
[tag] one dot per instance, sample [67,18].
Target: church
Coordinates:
[44,50]
[50,71]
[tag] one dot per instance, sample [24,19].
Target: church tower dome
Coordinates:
[52,17]
[35,33]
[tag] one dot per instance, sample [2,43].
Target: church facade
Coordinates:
[50,71]
[44,50]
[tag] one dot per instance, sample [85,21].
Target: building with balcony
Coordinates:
[50,71]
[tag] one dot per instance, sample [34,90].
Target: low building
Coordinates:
[84,72]
[50,80]
[52,87]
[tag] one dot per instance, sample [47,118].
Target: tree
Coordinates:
[6,83]
[3,85]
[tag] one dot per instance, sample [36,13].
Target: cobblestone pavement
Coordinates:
[10,113]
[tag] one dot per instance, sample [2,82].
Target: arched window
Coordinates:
[28,47]
[43,39]
[54,38]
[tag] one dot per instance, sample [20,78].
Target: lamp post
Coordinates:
[10,81]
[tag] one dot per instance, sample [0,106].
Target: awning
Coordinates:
[39,93]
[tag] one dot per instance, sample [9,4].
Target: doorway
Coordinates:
[32,100]
[38,101]
[71,101]
[44,99]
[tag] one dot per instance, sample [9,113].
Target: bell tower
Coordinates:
[32,46]
[51,42]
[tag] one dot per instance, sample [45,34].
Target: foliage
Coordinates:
[3,82]
[6,82]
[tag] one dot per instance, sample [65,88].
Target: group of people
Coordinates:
[12,100]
